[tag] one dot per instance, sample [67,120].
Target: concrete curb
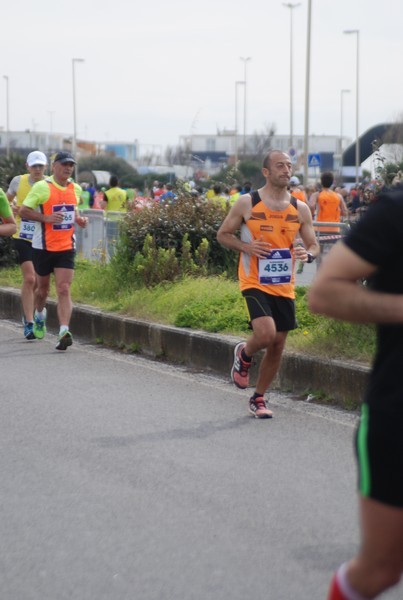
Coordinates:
[342,383]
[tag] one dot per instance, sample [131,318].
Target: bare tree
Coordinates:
[261,142]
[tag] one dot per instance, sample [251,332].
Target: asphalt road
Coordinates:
[126,479]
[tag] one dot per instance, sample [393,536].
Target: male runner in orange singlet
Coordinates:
[269,220]
[53,204]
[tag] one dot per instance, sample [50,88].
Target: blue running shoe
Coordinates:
[29,331]
[40,325]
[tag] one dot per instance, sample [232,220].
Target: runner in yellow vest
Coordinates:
[115,199]
[17,191]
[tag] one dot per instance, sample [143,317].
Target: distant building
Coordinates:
[212,152]
[25,141]
[122,150]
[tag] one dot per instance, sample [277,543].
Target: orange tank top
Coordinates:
[274,274]
[328,209]
[300,194]
[58,237]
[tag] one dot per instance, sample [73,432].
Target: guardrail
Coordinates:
[97,242]
[327,234]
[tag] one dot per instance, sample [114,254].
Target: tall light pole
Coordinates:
[7,116]
[291,6]
[245,62]
[357,104]
[307,84]
[342,92]
[74,144]
[50,137]
[237,83]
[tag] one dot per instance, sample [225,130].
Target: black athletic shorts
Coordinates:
[281,309]
[379,447]
[45,262]
[23,249]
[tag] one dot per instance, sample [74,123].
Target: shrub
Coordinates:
[154,265]
[169,224]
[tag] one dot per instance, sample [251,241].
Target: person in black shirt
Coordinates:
[373,251]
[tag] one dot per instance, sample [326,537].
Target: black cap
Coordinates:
[64,157]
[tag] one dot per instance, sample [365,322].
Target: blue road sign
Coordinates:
[313,160]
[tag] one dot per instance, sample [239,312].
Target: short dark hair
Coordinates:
[217,188]
[327,179]
[113,182]
[267,158]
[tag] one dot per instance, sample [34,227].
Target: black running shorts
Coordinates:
[280,309]
[23,249]
[379,447]
[45,262]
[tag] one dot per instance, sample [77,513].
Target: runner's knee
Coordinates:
[29,279]
[63,288]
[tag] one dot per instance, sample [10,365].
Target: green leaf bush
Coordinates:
[164,242]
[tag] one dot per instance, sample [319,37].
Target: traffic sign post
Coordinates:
[293,155]
[314,161]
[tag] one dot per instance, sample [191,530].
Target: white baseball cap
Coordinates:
[294,180]
[36,158]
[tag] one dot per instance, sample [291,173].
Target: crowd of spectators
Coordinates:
[357,198]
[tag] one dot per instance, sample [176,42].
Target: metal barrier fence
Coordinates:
[327,234]
[97,242]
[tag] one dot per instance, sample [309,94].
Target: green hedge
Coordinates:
[186,229]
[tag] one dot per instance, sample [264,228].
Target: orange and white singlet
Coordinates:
[275,273]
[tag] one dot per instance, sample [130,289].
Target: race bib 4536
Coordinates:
[276,268]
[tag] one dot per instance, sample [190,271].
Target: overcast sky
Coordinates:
[156,70]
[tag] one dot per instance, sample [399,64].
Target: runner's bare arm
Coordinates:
[307,234]
[81,221]
[343,206]
[32,215]
[337,292]
[313,199]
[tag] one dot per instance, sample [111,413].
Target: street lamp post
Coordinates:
[307,84]
[357,104]
[342,92]
[50,137]
[74,144]
[291,6]
[245,62]
[237,83]
[7,116]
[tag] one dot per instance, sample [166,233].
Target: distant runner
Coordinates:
[18,189]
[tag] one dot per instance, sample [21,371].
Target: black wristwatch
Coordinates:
[310,258]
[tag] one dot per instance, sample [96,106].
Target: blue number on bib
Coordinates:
[276,268]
